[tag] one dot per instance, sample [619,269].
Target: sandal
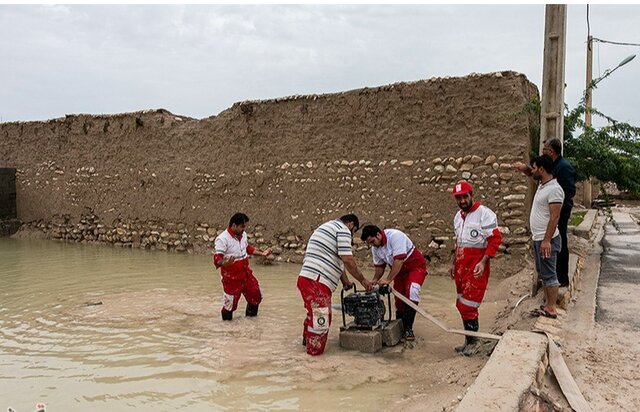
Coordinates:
[543,312]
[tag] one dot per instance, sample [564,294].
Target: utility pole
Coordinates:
[587,188]
[552,105]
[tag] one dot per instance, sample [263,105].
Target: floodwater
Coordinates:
[86,327]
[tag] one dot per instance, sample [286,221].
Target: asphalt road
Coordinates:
[618,293]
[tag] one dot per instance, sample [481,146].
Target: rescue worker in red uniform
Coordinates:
[478,239]
[408,269]
[231,255]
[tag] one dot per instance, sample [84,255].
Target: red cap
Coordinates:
[462,188]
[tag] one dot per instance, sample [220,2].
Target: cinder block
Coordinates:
[392,333]
[368,341]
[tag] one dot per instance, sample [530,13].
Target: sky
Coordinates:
[199,60]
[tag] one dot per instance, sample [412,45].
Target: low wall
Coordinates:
[8,194]
[389,154]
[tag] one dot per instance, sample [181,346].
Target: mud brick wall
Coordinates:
[390,154]
[8,193]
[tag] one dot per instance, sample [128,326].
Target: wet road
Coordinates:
[619,282]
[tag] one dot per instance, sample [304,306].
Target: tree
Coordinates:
[610,153]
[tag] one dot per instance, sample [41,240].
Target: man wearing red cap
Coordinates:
[478,239]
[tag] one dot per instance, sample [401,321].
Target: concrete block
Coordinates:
[506,378]
[392,333]
[367,341]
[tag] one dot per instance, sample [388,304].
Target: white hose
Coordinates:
[520,300]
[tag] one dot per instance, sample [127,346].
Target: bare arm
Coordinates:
[395,269]
[346,283]
[352,267]
[452,269]
[265,252]
[378,273]
[523,168]
[554,211]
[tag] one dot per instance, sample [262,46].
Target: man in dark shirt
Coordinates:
[565,174]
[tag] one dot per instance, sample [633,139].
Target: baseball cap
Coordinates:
[462,188]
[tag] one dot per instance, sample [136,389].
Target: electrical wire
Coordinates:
[617,43]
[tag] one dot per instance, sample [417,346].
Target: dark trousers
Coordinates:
[562,266]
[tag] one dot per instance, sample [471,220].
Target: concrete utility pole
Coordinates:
[552,105]
[587,188]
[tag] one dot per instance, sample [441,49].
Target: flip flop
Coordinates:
[543,312]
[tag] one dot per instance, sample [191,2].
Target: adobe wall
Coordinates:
[390,154]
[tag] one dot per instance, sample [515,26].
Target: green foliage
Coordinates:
[610,153]
[577,218]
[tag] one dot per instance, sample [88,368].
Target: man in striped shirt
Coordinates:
[328,253]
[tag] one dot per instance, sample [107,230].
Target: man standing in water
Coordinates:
[231,255]
[478,239]
[328,253]
[408,269]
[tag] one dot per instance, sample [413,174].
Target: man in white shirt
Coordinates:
[543,222]
[231,255]
[328,253]
[408,269]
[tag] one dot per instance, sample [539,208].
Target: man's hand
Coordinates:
[347,285]
[383,281]
[228,261]
[479,269]
[545,249]
[366,284]
[452,271]
[520,167]
[266,252]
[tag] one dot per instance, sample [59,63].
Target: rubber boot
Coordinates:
[252,310]
[468,340]
[471,348]
[226,315]
[408,317]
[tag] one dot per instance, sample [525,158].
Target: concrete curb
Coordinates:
[585,228]
[564,294]
[518,361]
[516,369]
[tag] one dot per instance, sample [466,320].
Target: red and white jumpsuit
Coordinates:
[237,278]
[477,235]
[397,246]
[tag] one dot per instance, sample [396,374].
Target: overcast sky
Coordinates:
[199,60]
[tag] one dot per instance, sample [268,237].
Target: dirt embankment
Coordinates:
[390,154]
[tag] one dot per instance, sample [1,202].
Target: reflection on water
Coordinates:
[91,327]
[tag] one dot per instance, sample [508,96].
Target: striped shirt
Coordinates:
[322,260]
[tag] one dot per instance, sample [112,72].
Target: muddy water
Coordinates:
[86,327]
